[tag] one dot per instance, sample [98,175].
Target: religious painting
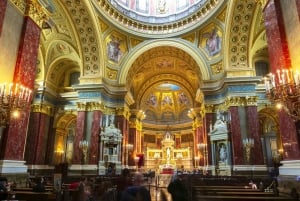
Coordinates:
[116,47]
[152,100]
[211,41]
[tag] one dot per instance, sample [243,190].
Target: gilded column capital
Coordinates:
[92,106]
[20,4]
[132,123]
[251,100]
[81,106]
[209,108]
[234,101]
[36,12]
[43,108]
[33,9]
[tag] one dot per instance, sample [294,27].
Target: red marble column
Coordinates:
[276,37]
[236,138]
[208,121]
[253,131]
[132,140]
[3,4]
[25,70]
[80,129]
[37,138]
[298,8]
[291,150]
[279,57]
[94,143]
[123,125]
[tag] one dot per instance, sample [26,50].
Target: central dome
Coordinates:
[157,11]
[151,18]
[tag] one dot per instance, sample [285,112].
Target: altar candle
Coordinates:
[10,89]
[287,76]
[278,75]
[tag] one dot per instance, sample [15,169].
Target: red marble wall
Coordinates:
[3,4]
[80,129]
[36,139]
[253,131]
[236,138]
[276,37]
[93,149]
[289,137]
[25,69]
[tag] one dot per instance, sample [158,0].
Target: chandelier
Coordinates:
[13,98]
[284,90]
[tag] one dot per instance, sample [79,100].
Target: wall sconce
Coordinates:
[13,98]
[83,145]
[248,144]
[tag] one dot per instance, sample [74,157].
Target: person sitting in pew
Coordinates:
[39,186]
[252,185]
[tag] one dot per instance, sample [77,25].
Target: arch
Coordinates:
[181,44]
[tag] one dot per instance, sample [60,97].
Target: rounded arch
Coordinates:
[65,133]
[181,44]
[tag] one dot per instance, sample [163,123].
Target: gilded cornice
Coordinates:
[43,108]
[240,101]
[90,106]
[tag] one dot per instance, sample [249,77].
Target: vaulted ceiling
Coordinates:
[166,57]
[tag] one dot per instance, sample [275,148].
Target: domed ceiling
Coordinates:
[166,103]
[157,11]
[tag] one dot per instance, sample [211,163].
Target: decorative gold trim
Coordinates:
[36,12]
[209,108]
[42,108]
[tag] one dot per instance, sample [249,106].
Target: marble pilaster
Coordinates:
[25,69]
[94,143]
[3,5]
[253,131]
[236,138]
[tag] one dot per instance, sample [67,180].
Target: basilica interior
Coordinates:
[92,86]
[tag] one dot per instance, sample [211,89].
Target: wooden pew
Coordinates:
[31,196]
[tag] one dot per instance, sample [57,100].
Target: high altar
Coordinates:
[168,158]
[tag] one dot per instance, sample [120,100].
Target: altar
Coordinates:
[167,159]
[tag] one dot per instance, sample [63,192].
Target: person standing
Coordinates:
[177,189]
[136,192]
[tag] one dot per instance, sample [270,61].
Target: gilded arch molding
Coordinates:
[180,44]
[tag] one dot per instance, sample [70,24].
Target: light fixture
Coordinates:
[14,98]
[248,144]
[283,89]
[84,145]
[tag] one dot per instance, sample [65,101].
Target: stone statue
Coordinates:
[220,125]
[223,153]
